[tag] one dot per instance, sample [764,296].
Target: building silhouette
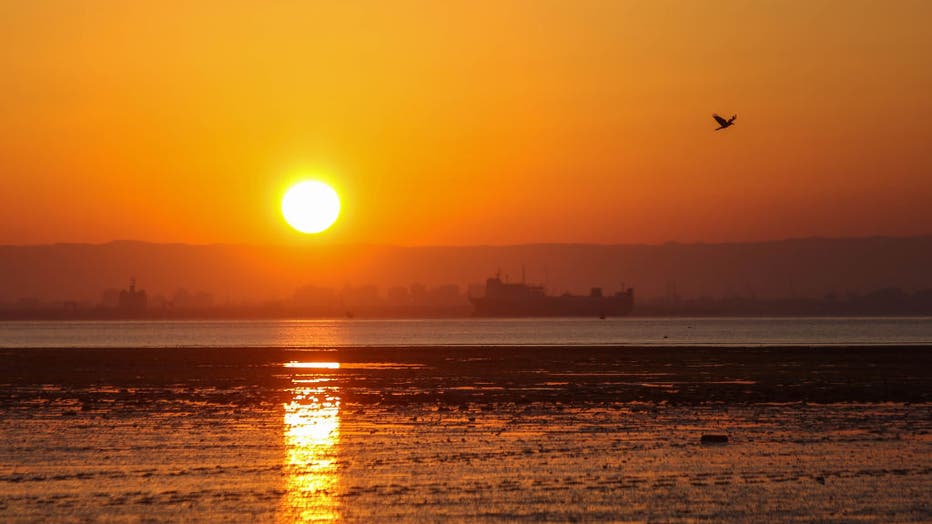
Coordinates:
[133,300]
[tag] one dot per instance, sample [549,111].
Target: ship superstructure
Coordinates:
[503,299]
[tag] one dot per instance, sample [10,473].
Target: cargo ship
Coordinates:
[504,299]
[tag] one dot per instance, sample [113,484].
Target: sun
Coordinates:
[311,207]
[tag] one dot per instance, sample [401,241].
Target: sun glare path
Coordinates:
[311,432]
[312,365]
[311,207]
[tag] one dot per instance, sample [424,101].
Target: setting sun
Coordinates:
[311,207]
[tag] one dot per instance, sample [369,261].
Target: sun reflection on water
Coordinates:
[312,365]
[311,433]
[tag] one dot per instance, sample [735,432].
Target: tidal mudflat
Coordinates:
[466,433]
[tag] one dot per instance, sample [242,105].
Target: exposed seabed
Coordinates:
[466,434]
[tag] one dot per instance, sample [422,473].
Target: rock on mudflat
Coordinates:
[714,439]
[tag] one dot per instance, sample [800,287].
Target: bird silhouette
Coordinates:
[724,123]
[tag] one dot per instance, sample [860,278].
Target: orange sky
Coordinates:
[465,122]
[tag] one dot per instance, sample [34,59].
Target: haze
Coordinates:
[455,123]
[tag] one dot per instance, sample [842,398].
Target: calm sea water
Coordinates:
[454,332]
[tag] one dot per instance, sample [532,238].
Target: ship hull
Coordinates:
[568,306]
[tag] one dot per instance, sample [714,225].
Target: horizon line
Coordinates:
[466,246]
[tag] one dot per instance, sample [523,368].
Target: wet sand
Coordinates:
[466,433]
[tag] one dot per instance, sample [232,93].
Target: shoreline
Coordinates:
[479,374]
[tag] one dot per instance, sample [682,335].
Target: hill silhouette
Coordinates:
[812,267]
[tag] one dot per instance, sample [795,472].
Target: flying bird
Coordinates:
[724,123]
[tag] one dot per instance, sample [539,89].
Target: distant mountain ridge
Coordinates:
[809,267]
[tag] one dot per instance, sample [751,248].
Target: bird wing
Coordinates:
[721,121]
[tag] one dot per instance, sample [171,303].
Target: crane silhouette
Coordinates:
[724,123]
